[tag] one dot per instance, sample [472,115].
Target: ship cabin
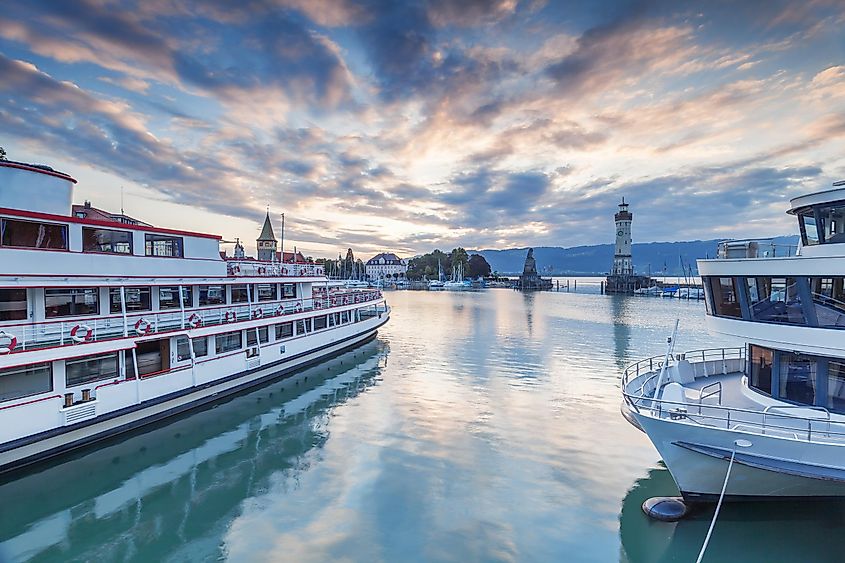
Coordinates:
[87,302]
[769,295]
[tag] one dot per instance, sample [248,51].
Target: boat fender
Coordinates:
[143,327]
[86,336]
[665,509]
[194,321]
[10,342]
[231,317]
[257,314]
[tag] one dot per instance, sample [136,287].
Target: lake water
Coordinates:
[476,427]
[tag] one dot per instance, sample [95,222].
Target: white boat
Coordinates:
[773,410]
[356,284]
[457,283]
[107,324]
[438,283]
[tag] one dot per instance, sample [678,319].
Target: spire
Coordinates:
[267,230]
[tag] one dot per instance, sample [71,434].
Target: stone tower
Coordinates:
[622,263]
[266,242]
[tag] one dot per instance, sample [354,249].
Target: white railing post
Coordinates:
[181,306]
[123,311]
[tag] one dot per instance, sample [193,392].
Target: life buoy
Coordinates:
[231,317]
[302,272]
[143,327]
[194,321]
[86,333]
[284,271]
[9,342]
[279,311]
[298,308]
[257,314]
[236,269]
[262,270]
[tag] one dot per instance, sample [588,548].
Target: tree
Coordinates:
[2,153]
[478,266]
[458,258]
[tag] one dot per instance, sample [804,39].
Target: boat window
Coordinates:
[344,317]
[263,336]
[723,292]
[836,386]
[333,319]
[106,240]
[25,381]
[797,378]
[228,342]
[29,234]
[303,326]
[284,330]
[288,290]
[807,224]
[92,368]
[69,302]
[320,322]
[832,223]
[12,304]
[212,295]
[200,347]
[760,369]
[829,301]
[239,294]
[163,245]
[775,300]
[267,291]
[152,356]
[168,297]
[183,351]
[136,298]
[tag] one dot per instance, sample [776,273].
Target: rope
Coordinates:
[718,506]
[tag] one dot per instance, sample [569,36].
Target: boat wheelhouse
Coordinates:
[776,407]
[108,325]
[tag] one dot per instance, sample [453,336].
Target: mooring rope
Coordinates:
[718,506]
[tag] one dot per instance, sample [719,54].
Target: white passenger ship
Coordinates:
[107,324]
[774,411]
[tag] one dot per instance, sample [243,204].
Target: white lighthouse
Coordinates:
[622,263]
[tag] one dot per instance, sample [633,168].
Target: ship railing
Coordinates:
[754,248]
[30,336]
[272,269]
[805,423]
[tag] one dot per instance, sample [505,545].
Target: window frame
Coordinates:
[130,252]
[151,238]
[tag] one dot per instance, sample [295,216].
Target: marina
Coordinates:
[396,451]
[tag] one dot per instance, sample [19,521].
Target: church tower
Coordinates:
[266,242]
[622,263]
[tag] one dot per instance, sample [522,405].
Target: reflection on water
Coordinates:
[115,503]
[493,433]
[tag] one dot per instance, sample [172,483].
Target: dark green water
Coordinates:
[477,427]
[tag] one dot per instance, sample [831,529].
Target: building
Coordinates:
[266,242]
[385,265]
[87,211]
[622,278]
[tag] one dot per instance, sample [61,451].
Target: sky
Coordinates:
[409,126]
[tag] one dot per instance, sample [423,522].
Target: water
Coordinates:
[477,427]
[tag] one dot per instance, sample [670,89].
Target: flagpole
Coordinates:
[283,238]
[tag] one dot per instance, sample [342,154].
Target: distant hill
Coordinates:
[655,257]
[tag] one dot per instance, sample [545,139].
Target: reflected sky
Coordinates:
[477,427]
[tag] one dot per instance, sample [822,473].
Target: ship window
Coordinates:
[797,378]
[836,386]
[106,240]
[263,336]
[137,299]
[69,302]
[12,304]
[168,297]
[92,368]
[239,294]
[25,381]
[775,300]
[212,295]
[200,347]
[320,322]
[183,351]
[163,245]
[760,369]
[809,231]
[289,290]
[267,291]
[303,326]
[228,342]
[344,316]
[284,330]
[829,301]
[724,297]
[832,223]
[29,234]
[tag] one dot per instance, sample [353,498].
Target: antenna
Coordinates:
[121,201]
